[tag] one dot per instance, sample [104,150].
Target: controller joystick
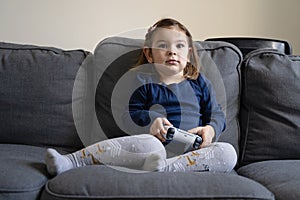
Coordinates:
[183,136]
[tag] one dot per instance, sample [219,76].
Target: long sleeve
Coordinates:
[212,113]
[140,106]
[140,110]
[186,105]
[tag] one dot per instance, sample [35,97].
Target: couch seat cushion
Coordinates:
[282,177]
[22,171]
[102,182]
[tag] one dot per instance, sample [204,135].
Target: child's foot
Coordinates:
[57,163]
[154,163]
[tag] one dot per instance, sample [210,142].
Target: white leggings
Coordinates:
[146,152]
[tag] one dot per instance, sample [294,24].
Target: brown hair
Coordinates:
[191,71]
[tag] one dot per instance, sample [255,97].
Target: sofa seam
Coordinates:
[38,188]
[43,48]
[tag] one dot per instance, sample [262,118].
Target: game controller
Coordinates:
[183,136]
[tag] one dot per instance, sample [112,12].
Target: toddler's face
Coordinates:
[170,51]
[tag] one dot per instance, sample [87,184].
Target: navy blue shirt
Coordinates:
[188,104]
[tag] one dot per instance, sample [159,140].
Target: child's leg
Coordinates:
[218,157]
[129,151]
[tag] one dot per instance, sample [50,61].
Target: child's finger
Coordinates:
[166,122]
[196,130]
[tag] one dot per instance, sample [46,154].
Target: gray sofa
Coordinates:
[62,99]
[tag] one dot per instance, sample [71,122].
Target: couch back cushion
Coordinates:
[36,86]
[221,64]
[270,107]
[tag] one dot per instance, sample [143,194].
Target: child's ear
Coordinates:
[148,54]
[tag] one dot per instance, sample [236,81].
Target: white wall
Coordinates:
[73,24]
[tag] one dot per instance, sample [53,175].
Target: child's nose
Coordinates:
[171,52]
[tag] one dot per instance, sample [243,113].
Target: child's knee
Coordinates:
[150,144]
[228,153]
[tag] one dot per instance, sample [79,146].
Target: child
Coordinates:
[169,52]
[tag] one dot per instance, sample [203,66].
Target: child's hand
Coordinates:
[206,132]
[157,128]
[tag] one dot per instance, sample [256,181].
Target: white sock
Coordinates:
[57,163]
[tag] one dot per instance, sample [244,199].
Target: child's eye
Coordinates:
[180,45]
[162,46]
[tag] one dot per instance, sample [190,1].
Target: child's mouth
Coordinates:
[172,62]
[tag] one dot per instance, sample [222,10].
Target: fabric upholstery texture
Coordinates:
[270,107]
[36,86]
[23,169]
[282,177]
[101,182]
[120,55]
